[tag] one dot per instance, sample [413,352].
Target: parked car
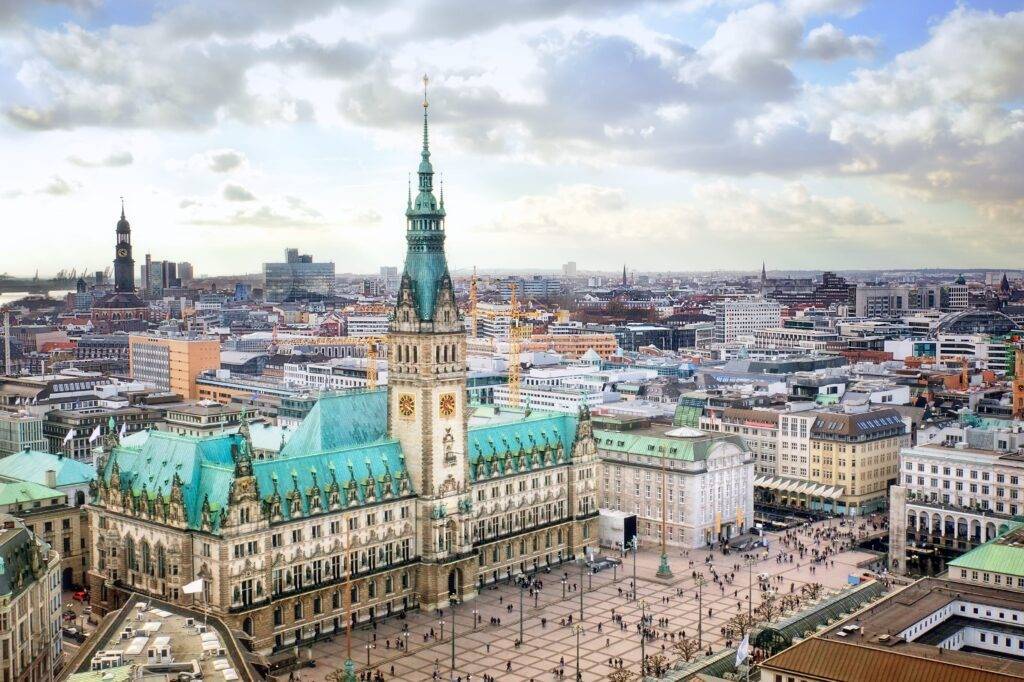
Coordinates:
[81,595]
[73,634]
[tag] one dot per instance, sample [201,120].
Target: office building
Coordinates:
[744,318]
[964,627]
[30,605]
[298,278]
[20,431]
[172,363]
[569,269]
[707,480]
[858,452]
[954,494]
[367,325]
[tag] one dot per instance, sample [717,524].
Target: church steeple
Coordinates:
[124,266]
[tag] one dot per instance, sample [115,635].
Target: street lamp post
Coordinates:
[452,600]
[563,588]
[750,586]
[664,571]
[476,613]
[368,647]
[582,564]
[643,638]
[521,586]
[636,543]
[700,609]
[578,629]
[441,623]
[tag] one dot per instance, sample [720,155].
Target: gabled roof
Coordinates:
[32,465]
[537,431]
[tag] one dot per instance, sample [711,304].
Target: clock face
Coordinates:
[123,253]
[406,405]
[447,404]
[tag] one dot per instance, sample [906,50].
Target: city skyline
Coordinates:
[686,137]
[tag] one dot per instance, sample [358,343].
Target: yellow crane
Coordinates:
[516,333]
[472,302]
[371,344]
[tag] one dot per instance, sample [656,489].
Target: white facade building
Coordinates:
[745,318]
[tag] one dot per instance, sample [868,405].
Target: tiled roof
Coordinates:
[32,465]
[495,448]
[817,658]
[687,449]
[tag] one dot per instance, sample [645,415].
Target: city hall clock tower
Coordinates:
[427,409]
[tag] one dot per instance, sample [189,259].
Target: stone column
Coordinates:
[898,529]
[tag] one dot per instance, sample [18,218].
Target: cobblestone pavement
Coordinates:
[491,649]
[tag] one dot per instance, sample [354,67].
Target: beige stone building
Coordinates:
[858,452]
[30,641]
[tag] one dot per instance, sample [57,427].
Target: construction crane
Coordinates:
[517,332]
[1018,382]
[369,342]
[472,302]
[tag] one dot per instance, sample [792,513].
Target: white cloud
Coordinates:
[829,43]
[112,160]
[224,160]
[233,192]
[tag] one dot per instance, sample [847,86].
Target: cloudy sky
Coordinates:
[671,134]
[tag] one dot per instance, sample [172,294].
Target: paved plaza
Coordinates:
[490,648]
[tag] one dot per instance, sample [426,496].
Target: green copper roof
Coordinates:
[687,449]
[507,447]
[342,441]
[341,420]
[1003,555]
[32,465]
[13,492]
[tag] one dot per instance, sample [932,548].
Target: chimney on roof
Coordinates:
[51,478]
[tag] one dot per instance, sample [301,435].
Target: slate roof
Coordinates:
[32,465]
[17,546]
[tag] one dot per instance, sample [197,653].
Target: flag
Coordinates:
[69,436]
[743,652]
[122,432]
[193,587]
[95,435]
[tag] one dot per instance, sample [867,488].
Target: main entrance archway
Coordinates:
[455,582]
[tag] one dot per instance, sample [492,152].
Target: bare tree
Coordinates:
[790,602]
[621,675]
[769,609]
[812,590]
[687,648]
[657,664]
[739,625]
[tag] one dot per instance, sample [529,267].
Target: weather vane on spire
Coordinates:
[426,80]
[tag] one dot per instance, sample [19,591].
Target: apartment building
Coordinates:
[759,430]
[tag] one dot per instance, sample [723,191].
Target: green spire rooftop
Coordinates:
[425,263]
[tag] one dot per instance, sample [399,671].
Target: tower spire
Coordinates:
[426,141]
[122,208]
